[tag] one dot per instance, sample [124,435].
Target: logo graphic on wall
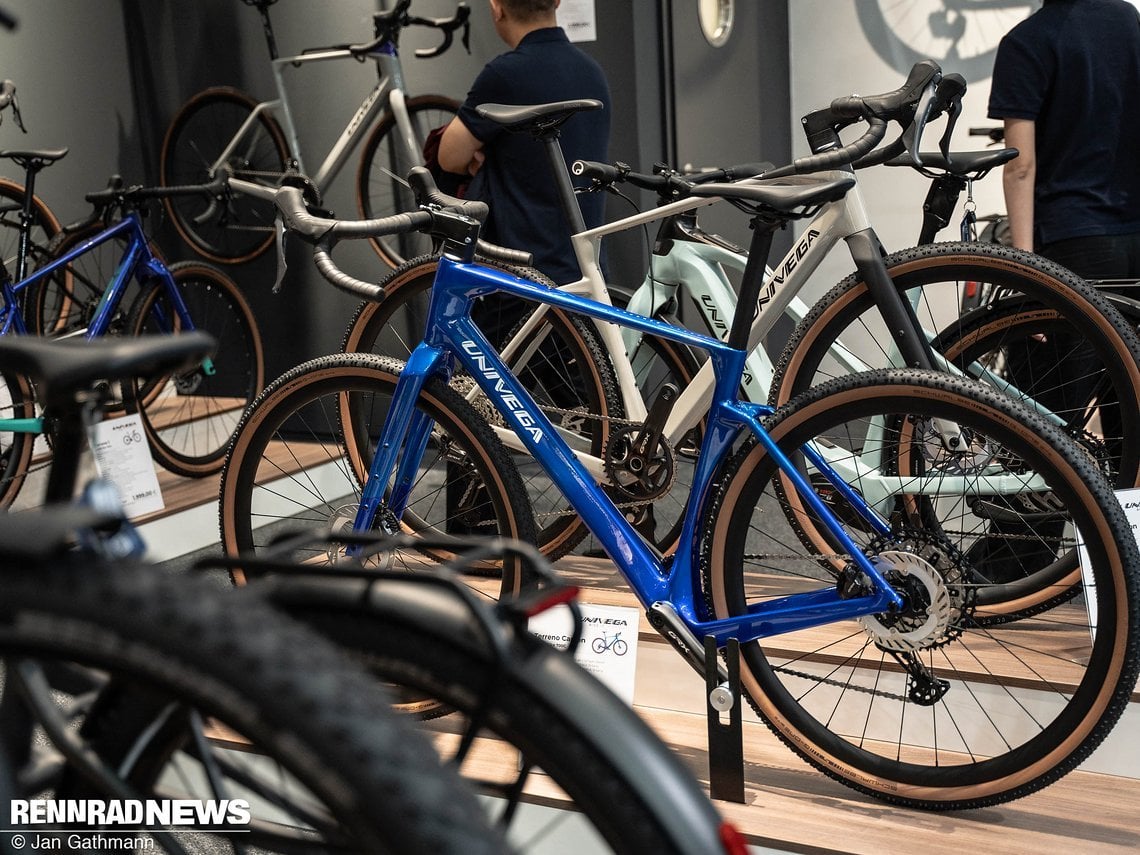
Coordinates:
[961,35]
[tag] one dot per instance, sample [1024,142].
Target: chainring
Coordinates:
[634,475]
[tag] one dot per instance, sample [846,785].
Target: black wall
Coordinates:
[105,76]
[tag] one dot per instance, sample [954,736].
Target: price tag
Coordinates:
[607,648]
[122,456]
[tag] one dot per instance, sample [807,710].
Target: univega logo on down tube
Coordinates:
[510,401]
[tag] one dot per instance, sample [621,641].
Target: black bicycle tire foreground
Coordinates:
[176,654]
[515,716]
[231,229]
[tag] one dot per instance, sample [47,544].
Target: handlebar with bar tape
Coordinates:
[325,232]
[890,105]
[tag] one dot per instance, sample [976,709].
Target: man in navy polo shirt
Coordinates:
[510,169]
[1065,83]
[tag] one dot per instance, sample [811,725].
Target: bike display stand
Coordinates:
[726,738]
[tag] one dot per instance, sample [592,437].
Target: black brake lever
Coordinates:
[17,117]
[912,136]
[952,114]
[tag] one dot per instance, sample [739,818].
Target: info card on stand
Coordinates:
[1130,501]
[607,648]
[122,456]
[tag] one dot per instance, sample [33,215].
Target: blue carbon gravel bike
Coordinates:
[831,537]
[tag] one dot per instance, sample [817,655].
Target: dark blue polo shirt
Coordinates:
[515,179]
[1074,68]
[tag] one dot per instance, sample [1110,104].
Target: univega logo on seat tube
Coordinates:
[510,401]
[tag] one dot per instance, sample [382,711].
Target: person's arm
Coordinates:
[1018,178]
[459,150]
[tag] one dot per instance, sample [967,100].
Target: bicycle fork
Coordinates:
[399,451]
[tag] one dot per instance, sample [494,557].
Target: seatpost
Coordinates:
[939,205]
[570,208]
[763,228]
[31,165]
[267,27]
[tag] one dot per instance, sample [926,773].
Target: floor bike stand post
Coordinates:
[726,738]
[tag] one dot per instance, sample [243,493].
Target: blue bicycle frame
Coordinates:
[137,262]
[452,336]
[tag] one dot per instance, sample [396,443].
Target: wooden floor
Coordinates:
[790,807]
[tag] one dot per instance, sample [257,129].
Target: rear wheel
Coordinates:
[64,303]
[45,226]
[1087,371]
[948,703]
[381,181]
[228,228]
[190,418]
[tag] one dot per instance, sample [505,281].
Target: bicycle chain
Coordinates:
[828,681]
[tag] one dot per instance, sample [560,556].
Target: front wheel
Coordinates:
[557,357]
[208,696]
[516,705]
[381,181]
[190,418]
[946,703]
[301,456]
[204,138]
